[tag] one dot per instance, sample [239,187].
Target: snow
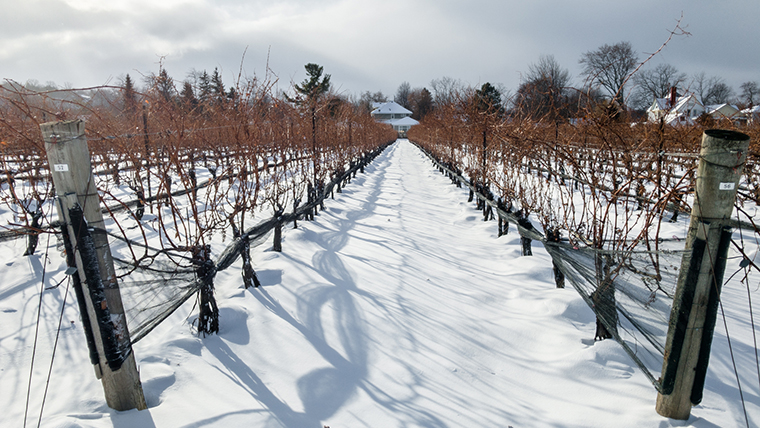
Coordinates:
[397,307]
[391,107]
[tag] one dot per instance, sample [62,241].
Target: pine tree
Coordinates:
[165,85]
[189,102]
[421,103]
[488,107]
[232,96]
[308,94]
[217,86]
[204,87]
[312,88]
[488,99]
[130,97]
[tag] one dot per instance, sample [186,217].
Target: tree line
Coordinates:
[613,77]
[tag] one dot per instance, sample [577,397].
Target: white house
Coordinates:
[751,115]
[658,109]
[402,125]
[395,115]
[722,111]
[683,110]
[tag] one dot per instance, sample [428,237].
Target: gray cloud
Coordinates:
[365,45]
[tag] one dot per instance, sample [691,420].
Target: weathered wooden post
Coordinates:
[695,305]
[79,208]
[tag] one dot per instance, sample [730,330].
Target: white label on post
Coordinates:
[726,186]
[62,167]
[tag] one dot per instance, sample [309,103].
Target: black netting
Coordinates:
[155,282]
[151,292]
[631,293]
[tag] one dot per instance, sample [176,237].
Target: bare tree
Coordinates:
[543,92]
[609,66]
[720,93]
[367,98]
[750,91]
[711,90]
[506,95]
[656,83]
[446,90]
[402,94]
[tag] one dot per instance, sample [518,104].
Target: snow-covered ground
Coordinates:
[397,307]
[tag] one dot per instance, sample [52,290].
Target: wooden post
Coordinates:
[277,240]
[69,160]
[553,235]
[692,318]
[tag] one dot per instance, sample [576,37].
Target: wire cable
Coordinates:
[745,280]
[36,333]
[718,287]
[752,321]
[55,346]
[733,362]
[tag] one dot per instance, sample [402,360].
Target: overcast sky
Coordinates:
[365,45]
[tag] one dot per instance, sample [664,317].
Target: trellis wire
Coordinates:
[644,304]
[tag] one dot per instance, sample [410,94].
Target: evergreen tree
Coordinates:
[232,96]
[130,96]
[204,87]
[488,99]
[487,108]
[313,87]
[165,85]
[308,94]
[189,102]
[217,86]
[421,103]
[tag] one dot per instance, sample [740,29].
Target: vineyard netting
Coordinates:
[182,179]
[612,199]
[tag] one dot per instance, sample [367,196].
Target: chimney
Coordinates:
[672,101]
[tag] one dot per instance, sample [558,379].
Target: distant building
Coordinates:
[722,111]
[675,109]
[395,115]
[751,115]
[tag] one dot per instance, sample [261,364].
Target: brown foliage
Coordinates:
[257,146]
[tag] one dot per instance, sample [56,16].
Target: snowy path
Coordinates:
[397,307]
